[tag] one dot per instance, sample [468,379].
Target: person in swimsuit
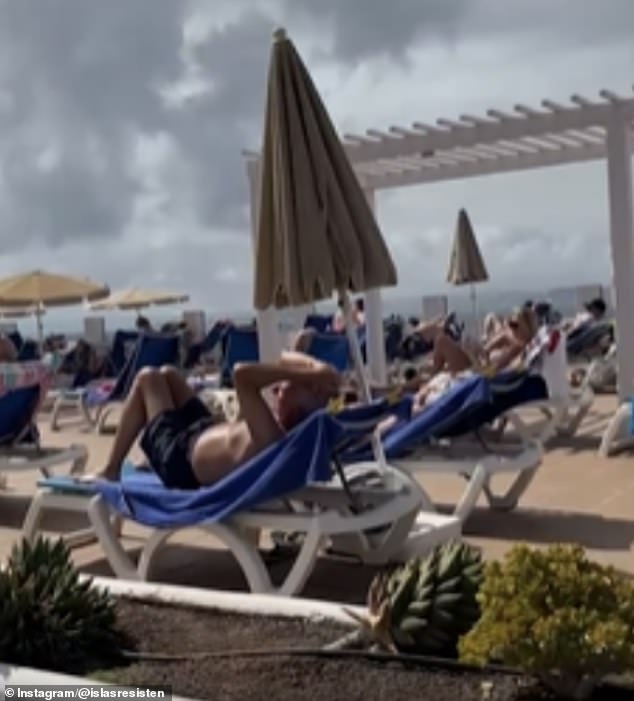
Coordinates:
[181,440]
[453,361]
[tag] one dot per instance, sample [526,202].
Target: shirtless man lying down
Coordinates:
[181,440]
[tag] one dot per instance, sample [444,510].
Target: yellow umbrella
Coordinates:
[39,289]
[48,289]
[466,265]
[317,234]
[137,298]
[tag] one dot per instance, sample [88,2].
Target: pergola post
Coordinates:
[375,341]
[269,339]
[619,161]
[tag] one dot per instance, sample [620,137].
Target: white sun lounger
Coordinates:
[380,521]
[479,467]
[389,529]
[564,410]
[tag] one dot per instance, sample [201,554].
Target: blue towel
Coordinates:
[332,348]
[468,406]
[300,458]
[320,322]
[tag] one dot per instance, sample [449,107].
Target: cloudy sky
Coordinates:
[122,123]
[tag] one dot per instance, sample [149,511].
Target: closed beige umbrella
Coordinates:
[40,289]
[466,266]
[317,234]
[136,298]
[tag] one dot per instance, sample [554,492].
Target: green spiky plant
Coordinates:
[426,605]
[48,617]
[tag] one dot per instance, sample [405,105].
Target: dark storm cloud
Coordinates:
[563,24]
[366,29]
[82,78]
[214,128]
[79,78]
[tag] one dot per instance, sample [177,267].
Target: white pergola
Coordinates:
[519,139]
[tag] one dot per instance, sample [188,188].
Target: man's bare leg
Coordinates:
[179,390]
[450,355]
[149,396]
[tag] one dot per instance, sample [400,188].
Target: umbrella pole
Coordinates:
[40,328]
[474,309]
[355,349]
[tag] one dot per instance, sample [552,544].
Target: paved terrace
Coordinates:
[576,497]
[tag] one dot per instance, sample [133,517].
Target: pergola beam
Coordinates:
[490,167]
[507,127]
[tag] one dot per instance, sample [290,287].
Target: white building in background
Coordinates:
[95,331]
[197,323]
[435,305]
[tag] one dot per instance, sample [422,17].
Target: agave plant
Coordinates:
[426,605]
[48,617]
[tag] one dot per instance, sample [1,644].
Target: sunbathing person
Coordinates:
[593,312]
[452,361]
[181,440]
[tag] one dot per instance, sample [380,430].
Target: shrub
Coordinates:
[48,617]
[555,614]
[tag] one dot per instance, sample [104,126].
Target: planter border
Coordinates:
[238,602]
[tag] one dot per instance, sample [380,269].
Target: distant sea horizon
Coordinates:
[566,300]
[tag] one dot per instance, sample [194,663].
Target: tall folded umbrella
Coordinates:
[466,266]
[316,234]
[40,289]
